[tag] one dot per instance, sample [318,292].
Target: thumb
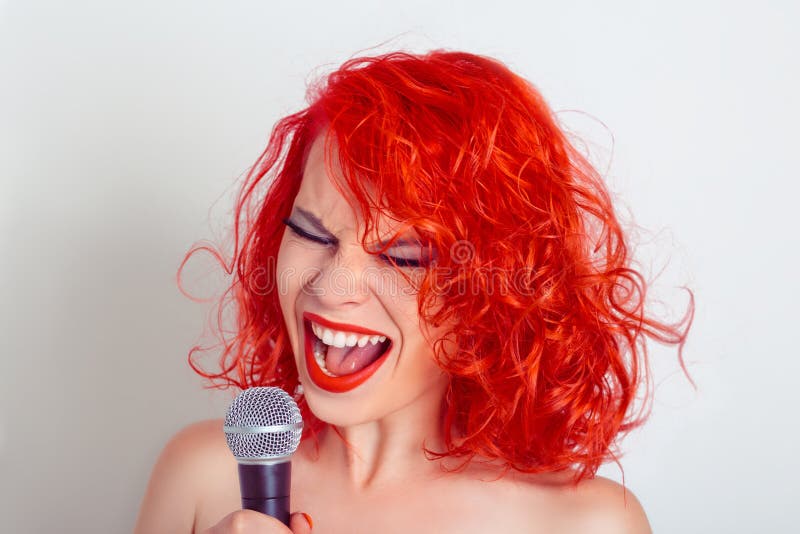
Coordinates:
[300,523]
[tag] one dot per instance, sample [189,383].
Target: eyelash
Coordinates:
[400,262]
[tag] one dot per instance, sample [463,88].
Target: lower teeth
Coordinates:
[320,350]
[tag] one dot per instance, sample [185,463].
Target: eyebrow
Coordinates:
[317,224]
[314,220]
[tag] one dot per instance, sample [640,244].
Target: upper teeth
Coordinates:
[340,339]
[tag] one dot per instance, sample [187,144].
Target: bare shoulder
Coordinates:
[600,505]
[192,464]
[552,502]
[203,438]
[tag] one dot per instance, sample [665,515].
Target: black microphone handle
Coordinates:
[265,488]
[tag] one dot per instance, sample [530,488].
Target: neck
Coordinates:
[390,450]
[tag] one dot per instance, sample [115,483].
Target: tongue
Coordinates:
[348,360]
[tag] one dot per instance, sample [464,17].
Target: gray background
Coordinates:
[123,130]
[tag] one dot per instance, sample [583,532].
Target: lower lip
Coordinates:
[336,384]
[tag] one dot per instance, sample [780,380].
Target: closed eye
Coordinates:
[327,241]
[300,232]
[401,262]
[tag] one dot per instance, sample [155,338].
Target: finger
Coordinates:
[246,521]
[301,523]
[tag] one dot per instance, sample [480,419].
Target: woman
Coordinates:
[441,279]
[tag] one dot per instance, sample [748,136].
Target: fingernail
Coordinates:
[308,518]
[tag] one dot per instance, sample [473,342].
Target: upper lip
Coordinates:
[344,327]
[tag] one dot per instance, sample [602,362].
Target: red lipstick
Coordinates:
[336,384]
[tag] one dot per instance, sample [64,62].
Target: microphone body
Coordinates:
[265,488]
[263,428]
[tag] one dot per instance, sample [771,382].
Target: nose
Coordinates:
[343,280]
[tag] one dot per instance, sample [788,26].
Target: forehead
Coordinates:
[335,206]
[317,193]
[321,166]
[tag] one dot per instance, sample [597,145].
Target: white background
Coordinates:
[125,126]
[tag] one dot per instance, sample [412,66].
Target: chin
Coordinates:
[342,412]
[378,400]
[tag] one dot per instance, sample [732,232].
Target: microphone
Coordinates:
[263,428]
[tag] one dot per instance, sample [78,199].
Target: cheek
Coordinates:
[283,275]
[288,269]
[417,351]
[291,263]
[295,266]
[298,263]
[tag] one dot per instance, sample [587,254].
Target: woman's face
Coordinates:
[352,319]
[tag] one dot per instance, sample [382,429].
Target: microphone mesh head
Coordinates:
[263,423]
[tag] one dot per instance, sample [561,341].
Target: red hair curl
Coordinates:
[546,317]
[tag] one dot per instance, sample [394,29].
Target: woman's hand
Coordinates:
[248,521]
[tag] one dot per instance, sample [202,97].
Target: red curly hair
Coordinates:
[549,317]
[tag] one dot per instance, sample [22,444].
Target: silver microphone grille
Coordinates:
[262,424]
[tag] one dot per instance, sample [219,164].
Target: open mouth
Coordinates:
[341,357]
